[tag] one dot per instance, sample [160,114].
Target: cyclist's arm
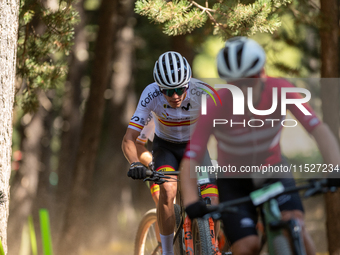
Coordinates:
[189,190]
[145,157]
[194,154]
[327,144]
[129,145]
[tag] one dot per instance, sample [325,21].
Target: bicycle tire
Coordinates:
[202,238]
[146,242]
[178,244]
[281,246]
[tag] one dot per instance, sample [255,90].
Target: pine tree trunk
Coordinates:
[71,120]
[330,106]
[115,193]
[72,234]
[8,49]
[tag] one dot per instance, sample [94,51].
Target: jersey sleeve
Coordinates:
[148,131]
[309,122]
[144,107]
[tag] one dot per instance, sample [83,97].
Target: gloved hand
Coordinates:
[333,182]
[137,171]
[197,210]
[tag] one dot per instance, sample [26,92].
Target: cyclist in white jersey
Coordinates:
[173,100]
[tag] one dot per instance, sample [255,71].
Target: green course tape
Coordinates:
[1,249]
[32,236]
[45,232]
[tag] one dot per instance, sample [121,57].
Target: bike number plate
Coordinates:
[264,194]
[203,176]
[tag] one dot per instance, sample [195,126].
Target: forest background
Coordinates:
[77,69]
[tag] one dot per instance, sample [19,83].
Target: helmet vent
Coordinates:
[239,51]
[253,65]
[226,56]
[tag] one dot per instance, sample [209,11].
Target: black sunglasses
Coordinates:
[170,92]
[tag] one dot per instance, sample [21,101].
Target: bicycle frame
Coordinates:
[275,226]
[271,215]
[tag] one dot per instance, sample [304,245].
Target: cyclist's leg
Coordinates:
[154,189]
[291,208]
[240,228]
[208,181]
[165,160]
[167,194]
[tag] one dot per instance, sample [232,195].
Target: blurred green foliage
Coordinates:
[292,50]
[229,18]
[44,41]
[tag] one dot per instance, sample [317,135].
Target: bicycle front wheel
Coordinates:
[202,238]
[147,242]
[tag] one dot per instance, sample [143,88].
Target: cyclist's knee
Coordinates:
[249,245]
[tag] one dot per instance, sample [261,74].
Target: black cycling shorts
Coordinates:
[243,224]
[167,155]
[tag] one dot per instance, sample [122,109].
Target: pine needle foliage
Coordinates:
[228,17]
[44,41]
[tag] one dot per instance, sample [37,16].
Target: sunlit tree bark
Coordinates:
[8,48]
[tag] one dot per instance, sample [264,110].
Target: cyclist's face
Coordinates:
[175,100]
[255,82]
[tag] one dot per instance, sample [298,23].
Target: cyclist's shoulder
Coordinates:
[277,82]
[197,82]
[150,95]
[151,87]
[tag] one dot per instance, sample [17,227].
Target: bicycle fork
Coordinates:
[213,237]
[274,226]
[188,239]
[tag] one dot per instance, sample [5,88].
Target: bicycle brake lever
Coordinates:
[318,187]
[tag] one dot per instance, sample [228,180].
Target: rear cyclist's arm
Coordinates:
[327,144]
[189,184]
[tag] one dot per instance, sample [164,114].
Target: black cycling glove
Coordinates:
[137,171]
[197,210]
[333,182]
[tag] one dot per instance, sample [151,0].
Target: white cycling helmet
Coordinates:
[172,71]
[241,57]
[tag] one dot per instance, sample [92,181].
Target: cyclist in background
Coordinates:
[176,110]
[243,145]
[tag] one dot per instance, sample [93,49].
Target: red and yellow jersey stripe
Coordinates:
[154,189]
[165,168]
[209,190]
[134,125]
[177,123]
[140,140]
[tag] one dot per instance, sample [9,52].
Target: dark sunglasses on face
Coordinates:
[170,92]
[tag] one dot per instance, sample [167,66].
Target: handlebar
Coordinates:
[312,188]
[160,177]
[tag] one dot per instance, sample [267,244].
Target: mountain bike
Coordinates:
[264,198]
[191,237]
